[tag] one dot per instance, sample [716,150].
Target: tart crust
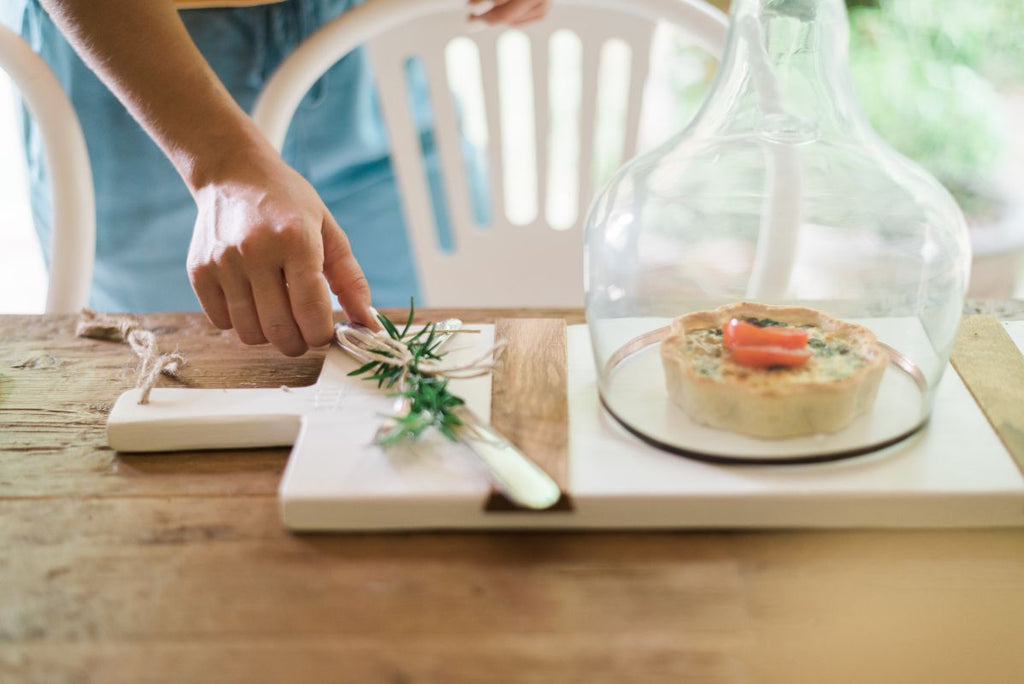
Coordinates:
[778,402]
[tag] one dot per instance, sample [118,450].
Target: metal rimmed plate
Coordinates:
[634,393]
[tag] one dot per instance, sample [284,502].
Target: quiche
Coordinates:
[771,371]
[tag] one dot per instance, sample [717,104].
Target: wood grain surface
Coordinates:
[529,399]
[993,369]
[175,567]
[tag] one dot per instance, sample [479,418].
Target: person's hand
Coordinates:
[263,252]
[511,12]
[263,243]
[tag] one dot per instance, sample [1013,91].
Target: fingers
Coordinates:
[241,307]
[244,287]
[262,257]
[512,12]
[275,315]
[344,275]
[210,295]
[535,15]
[309,301]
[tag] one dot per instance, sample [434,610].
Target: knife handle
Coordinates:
[519,478]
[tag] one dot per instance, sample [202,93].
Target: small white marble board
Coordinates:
[954,473]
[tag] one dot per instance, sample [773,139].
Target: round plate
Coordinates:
[635,395]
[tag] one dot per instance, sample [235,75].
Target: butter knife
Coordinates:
[511,471]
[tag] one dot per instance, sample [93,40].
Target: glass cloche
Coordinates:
[777,214]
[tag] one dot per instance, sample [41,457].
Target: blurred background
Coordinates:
[941,80]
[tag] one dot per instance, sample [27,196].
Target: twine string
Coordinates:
[384,349]
[152,362]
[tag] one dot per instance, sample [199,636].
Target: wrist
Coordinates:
[228,155]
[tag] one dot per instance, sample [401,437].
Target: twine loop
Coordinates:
[383,348]
[152,362]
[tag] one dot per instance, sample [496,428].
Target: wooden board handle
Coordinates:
[529,399]
[992,367]
[182,419]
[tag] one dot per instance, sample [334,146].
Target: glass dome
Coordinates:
[778,193]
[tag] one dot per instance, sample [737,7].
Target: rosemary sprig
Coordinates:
[430,402]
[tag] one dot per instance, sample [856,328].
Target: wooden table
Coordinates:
[175,567]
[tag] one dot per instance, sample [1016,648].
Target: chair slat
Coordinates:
[588,116]
[541,44]
[488,46]
[504,265]
[640,45]
[408,167]
[448,140]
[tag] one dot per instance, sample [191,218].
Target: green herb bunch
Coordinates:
[430,402]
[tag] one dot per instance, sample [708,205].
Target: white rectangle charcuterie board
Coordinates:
[954,473]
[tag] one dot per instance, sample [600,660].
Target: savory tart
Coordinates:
[771,371]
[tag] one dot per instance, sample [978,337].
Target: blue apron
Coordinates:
[145,214]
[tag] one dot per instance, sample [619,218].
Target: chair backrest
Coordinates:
[509,262]
[73,241]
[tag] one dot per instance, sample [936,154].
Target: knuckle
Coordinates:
[311,303]
[200,271]
[357,283]
[254,245]
[285,337]
[279,332]
[217,321]
[274,243]
[347,277]
[251,336]
[293,233]
[314,318]
[224,256]
[293,229]
[318,336]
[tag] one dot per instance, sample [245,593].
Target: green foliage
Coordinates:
[430,402]
[926,73]
[923,71]
[983,36]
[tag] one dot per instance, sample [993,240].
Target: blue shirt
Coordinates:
[337,140]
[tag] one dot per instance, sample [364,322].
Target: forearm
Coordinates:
[142,52]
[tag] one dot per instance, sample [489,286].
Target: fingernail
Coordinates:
[475,25]
[478,8]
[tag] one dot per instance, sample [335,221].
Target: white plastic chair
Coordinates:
[73,242]
[506,264]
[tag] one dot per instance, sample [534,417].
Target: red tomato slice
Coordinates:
[766,357]
[737,333]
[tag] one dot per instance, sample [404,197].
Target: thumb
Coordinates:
[345,276]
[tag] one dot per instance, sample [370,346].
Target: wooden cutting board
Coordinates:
[992,368]
[529,398]
[955,473]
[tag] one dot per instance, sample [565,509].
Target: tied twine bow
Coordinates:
[395,352]
[152,363]
[412,365]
